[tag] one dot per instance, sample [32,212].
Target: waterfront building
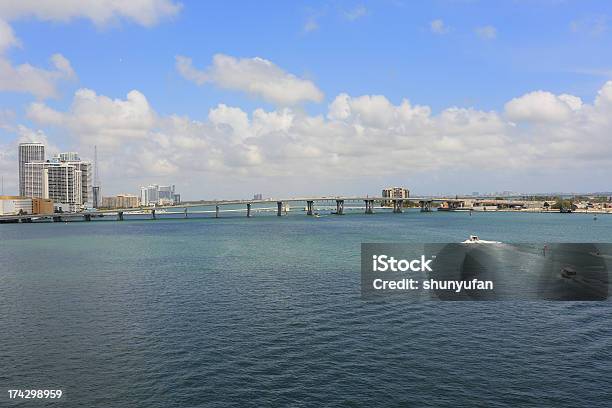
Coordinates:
[28,153]
[42,206]
[34,180]
[96,198]
[65,179]
[258,196]
[14,205]
[394,192]
[144,195]
[64,185]
[120,201]
[155,194]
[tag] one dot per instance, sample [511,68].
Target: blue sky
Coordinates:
[442,54]
[390,50]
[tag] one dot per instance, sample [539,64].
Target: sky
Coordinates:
[228,99]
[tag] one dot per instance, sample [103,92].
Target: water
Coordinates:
[267,312]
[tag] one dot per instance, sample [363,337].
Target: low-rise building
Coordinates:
[394,192]
[15,205]
[121,201]
[42,206]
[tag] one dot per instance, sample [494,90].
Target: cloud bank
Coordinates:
[358,136]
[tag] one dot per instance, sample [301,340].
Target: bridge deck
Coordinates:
[220,203]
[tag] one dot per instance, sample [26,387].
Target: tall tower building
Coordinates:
[29,153]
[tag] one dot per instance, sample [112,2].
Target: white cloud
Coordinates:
[360,136]
[438,27]
[144,12]
[487,32]
[98,119]
[255,76]
[356,13]
[38,81]
[234,120]
[540,106]
[7,37]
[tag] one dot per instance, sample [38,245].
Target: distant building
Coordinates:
[28,153]
[14,205]
[155,194]
[258,196]
[120,201]
[96,197]
[394,192]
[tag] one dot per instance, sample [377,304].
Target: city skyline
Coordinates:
[324,101]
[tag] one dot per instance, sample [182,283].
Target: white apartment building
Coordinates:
[66,182]
[28,153]
[155,194]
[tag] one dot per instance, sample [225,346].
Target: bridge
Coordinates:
[397,205]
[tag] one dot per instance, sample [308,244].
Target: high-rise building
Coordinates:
[28,153]
[166,193]
[153,194]
[144,195]
[64,185]
[69,156]
[65,179]
[156,194]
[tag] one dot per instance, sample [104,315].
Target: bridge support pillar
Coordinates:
[279,208]
[87,217]
[425,206]
[248,209]
[120,216]
[309,205]
[397,206]
[369,206]
[340,207]
[153,216]
[216,211]
[57,218]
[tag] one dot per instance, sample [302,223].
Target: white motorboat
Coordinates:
[473,239]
